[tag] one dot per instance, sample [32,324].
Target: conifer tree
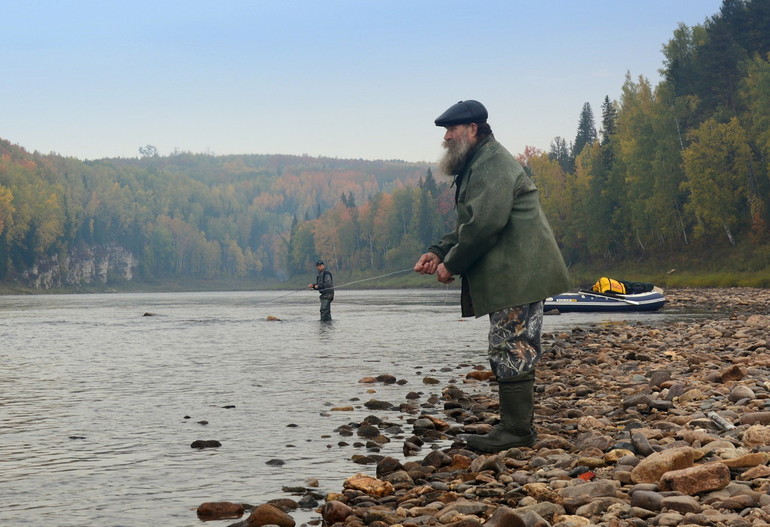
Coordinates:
[429,184]
[609,128]
[586,133]
[609,120]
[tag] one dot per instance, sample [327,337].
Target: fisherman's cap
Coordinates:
[464,112]
[319,262]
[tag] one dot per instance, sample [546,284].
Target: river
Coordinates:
[99,403]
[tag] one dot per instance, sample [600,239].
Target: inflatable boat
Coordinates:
[590,301]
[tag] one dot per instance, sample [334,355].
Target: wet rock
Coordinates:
[542,492]
[647,499]
[748,460]
[437,459]
[480,375]
[740,392]
[697,479]
[368,485]
[267,514]
[546,510]
[755,418]
[598,506]
[463,507]
[308,501]
[367,430]
[669,519]
[219,510]
[733,373]
[683,504]
[659,377]
[592,490]
[294,490]
[374,404]
[651,468]
[595,440]
[286,504]
[759,472]
[335,511]
[205,443]
[388,465]
[735,503]
[505,517]
[381,516]
[640,443]
[757,435]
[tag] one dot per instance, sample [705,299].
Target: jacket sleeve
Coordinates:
[444,244]
[487,206]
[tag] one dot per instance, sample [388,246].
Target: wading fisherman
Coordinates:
[324,284]
[506,254]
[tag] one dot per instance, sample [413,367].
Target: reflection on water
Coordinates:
[99,404]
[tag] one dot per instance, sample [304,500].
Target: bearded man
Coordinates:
[509,261]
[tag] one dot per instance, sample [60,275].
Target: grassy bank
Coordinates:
[704,265]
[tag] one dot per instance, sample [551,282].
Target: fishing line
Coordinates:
[271,300]
[374,277]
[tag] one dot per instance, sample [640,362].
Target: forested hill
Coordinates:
[182,215]
[678,174]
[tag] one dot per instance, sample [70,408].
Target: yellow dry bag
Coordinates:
[608,285]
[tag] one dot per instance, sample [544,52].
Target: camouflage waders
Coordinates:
[514,339]
[514,350]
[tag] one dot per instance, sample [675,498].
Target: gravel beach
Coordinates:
[665,424]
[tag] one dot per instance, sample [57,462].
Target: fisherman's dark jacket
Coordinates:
[503,245]
[324,284]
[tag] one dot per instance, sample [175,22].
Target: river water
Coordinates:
[99,404]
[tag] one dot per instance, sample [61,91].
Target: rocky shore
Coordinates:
[665,424]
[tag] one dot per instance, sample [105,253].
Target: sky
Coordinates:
[349,79]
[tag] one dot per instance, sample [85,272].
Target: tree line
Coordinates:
[672,169]
[678,168]
[184,215]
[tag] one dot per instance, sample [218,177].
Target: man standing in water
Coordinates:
[324,284]
[507,256]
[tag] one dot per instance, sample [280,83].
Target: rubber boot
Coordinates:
[517,409]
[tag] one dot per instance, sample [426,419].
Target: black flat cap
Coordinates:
[464,112]
[319,262]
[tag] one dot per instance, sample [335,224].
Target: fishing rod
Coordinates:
[270,300]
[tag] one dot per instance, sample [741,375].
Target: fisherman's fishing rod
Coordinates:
[338,286]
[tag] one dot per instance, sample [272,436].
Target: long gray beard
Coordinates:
[455,156]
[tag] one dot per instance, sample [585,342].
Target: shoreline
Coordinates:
[626,435]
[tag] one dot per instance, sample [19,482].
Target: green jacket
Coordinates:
[503,245]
